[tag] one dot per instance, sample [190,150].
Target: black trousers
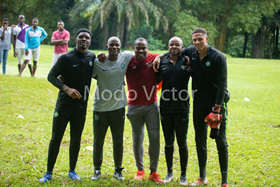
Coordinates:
[101,121]
[61,117]
[200,111]
[175,123]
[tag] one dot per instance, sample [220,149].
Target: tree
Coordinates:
[187,23]
[128,13]
[146,31]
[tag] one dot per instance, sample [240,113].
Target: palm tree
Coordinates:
[128,13]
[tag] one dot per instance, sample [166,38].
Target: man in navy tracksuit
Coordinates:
[174,106]
[209,86]
[76,67]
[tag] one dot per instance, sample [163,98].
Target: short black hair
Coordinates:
[6,19]
[140,39]
[35,19]
[83,30]
[199,30]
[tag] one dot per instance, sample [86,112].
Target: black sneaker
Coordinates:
[96,175]
[118,174]
[183,180]
[169,177]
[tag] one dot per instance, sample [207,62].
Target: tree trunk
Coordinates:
[220,40]
[276,42]
[226,44]
[258,46]
[1,11]
[105,35]
[121,30]
[124,43]
[245,44]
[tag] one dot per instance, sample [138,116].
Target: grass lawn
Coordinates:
[253,131]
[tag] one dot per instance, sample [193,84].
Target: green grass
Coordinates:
[253,131]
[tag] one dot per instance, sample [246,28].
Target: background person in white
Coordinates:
[109,105]
[33,38]
[60,39]
[5,43]
[19,42]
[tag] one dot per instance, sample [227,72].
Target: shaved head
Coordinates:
[114,38]
[176,38]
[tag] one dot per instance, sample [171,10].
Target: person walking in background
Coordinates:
[60,39]
[19,42]
[76,68]
[33,38]
[5,43]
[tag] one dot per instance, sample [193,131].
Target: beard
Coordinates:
[175,54]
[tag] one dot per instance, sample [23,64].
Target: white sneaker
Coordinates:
[200,182]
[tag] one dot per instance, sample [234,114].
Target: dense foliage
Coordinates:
[242,28]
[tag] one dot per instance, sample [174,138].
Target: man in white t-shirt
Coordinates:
[109,105]
[18,42]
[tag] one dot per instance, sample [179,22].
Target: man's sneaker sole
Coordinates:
[118,178]
[72,175]
[168,181]
[184,183]
[46,178]
[96,175]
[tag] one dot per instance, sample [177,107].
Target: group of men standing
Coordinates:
[26,42]
[206,65]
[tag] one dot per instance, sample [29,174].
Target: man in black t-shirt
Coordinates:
[76,68]
[174,106]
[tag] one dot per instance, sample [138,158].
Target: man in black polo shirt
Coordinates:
[174,106]
[209,85]
[76,67]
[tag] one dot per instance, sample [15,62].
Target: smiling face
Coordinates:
[175,46]
[141,50]
[113,46]
[83,40]
[200,41]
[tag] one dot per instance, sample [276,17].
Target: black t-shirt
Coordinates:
[76,68]
[175,78]
[209,76]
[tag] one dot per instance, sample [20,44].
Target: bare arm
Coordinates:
[56,42]
[3,34]
[71,92]
[14,45]
[101,57]
[64,42]
[156,62]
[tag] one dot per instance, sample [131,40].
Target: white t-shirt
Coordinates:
[6,43]
[20,33]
